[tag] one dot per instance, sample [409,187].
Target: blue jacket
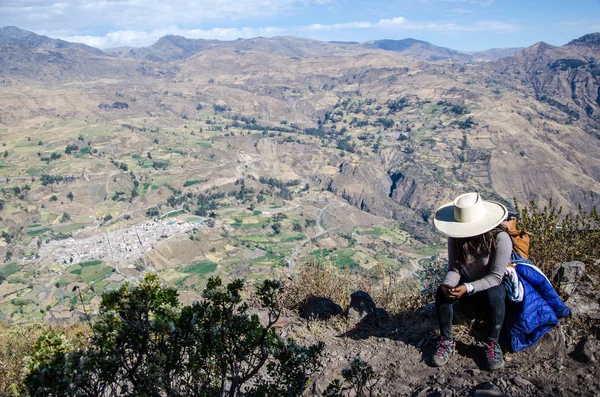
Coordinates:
[527,321]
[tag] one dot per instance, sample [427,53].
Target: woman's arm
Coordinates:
[498,266]
[453,275]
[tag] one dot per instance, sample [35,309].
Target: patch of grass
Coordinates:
[95,273]
[320,253]
[172,214]
[256,212]
[247,225]
[427,251]
[91,263]
[34,225]
[69,228]
[376,231]
[344,259]
[145,187]
[9,268]
[75,269]
[22,302]
[253,239]
[199,268]
[293,238]
[194,182]
[33,171]
[39,231]
[204,144]
[63,282]
[179,283]
[17,280]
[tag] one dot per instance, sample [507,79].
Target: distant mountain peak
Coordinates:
[589,40]
[15,32]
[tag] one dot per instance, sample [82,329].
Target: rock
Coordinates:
[568,275]
[585,302]
[487,386]
[549,346]
[317,307]
[587,350]
[377,318]
[361,305]
[487,389]
[489,393]
[517,380]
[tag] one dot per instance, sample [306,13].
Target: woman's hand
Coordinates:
[457,292]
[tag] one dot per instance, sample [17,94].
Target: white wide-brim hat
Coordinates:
[469,215]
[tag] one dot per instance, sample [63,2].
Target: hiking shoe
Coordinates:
[494,357]
[443,351]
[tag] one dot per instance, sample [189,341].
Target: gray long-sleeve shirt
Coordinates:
[482,271]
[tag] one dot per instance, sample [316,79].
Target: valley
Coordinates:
[249,162]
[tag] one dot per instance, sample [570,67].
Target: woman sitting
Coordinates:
[478,255]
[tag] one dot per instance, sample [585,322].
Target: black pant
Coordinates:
[492,300]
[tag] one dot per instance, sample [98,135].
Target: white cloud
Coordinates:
[337,26]
[401,23]
[138,38]
[135,14]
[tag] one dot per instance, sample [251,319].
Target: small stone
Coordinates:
[488,393]
[517,380]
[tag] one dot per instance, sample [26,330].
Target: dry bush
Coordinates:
[318,278]
[324,279]
[558,238]
[17,343]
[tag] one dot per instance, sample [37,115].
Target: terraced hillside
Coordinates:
[249,162]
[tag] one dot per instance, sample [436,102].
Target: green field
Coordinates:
[343,258]
[204,144]
[34,226]
[8,269]
[428,251]
[39,231]
[95,273]
[199,268]
[172,214]
[69,228]
[82,152]
[90,263]
[293,238]
[75,269]
[194,182]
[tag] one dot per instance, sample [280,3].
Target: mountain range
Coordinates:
[524,123]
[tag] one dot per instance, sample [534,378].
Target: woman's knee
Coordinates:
[496,294]
[440,296]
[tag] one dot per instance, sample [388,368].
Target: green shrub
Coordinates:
[146,344]
[359,380]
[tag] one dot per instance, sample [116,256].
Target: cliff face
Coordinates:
[567,77]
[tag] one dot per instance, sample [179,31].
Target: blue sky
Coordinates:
[466,25]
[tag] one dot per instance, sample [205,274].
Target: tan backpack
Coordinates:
[520,238]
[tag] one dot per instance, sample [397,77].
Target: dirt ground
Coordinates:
[399,350]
